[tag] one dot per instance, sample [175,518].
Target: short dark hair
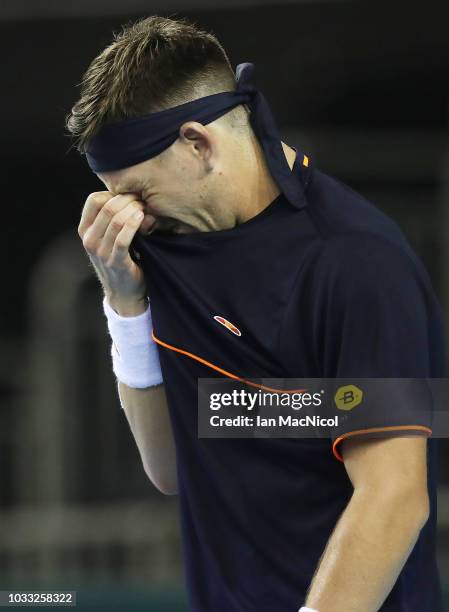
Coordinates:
[152,64]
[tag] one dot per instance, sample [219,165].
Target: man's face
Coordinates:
[177,188]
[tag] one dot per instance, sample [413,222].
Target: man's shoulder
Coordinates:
[348,222]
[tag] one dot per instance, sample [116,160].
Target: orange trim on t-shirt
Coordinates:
[350,434]
[221,370]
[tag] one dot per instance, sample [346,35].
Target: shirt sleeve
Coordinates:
[371,307]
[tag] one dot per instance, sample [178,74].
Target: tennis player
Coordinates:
[223,251]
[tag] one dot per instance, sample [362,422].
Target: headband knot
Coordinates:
[244,76]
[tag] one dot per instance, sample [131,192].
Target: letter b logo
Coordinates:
[348,397]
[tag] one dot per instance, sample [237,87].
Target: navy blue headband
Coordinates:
[131,141]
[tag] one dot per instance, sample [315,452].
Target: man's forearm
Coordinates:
[148,416]
[149,420]
[366,552]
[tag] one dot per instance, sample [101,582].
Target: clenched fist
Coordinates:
[108,225]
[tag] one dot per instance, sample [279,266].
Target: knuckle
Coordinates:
[99,196]
[89,245]
[96,200]
[121,244]
[132,219]
[116,224]
[108,210]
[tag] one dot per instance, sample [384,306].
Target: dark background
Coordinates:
[362,88]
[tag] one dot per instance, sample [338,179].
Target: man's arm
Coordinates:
[379,527]
[107,227]
[149,420]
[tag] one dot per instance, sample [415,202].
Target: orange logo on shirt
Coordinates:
[235,330]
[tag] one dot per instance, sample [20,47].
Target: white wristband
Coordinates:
[135,360]
[303,609]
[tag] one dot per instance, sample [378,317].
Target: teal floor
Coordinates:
[132,599]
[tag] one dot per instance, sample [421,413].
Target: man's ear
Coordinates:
[202,141]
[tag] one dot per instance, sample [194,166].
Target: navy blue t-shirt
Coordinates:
[330,290]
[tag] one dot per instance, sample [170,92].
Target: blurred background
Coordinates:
[362,88]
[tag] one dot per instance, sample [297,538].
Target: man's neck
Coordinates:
[262,189]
